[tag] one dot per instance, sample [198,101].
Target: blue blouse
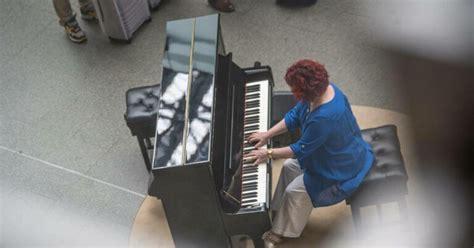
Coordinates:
[331,151]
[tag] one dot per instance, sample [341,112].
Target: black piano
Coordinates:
[208,106]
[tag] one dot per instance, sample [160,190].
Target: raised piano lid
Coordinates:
[187,92]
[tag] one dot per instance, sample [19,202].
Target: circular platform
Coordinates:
[150,228]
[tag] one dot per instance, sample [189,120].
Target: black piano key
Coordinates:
[249,175]
[251,122]
[249,185]
[253,119]
[249,195]
[251,128]
[250,172]
[246,201]
[253,88]
[253,96]
[248,165]
[250,169]
[252,112]
[249,178]
[249,188]
[252,104]
[250,98]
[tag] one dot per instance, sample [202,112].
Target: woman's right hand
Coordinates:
[259,139]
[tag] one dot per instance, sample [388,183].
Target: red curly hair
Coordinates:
[308,79]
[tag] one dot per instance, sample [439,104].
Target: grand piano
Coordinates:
[208,106]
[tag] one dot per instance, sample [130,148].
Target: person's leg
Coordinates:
[290,170]
[63,10]
[67,19]
[295,210]
[222,5]
[83,3]
[87,10]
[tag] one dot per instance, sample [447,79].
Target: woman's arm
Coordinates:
[282,152]
[262,155]
[279,128]
[261,138]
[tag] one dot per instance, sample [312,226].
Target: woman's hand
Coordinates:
[258,138]
[258,156]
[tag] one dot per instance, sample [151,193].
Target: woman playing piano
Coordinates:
[326,164]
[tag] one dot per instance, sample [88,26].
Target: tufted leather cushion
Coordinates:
[387,178]
[282,102]
[142,109]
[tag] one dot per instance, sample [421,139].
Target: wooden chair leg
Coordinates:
[355,209]
[144,153]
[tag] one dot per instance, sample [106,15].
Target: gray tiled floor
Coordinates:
[68,163]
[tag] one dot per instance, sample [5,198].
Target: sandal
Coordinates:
[271,239]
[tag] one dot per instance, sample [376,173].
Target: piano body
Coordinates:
[208,106]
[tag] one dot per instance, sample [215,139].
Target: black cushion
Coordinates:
[142,108]
[282,102]
[387,179]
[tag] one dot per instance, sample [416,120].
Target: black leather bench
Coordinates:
[387,179]
[140,116]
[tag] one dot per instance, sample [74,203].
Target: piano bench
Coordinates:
[282,102]
[387,179]
[140,116]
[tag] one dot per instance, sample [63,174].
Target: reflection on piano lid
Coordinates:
[187,88]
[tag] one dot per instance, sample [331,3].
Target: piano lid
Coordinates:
[187,92]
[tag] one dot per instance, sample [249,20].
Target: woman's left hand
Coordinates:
[259,155]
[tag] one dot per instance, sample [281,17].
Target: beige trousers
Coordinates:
[291,201]
[64,10]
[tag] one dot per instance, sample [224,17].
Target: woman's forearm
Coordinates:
[279,128]
[283,152]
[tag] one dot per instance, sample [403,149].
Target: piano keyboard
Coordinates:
[254,178]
